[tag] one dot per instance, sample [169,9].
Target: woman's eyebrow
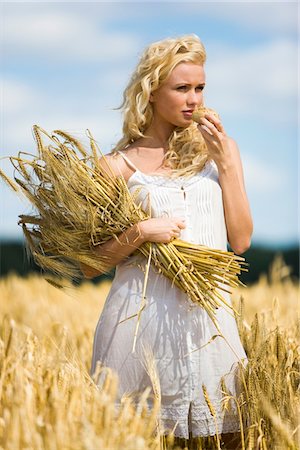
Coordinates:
[188,84]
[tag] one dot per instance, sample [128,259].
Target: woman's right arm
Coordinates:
[159,229]
[114,251]
[129,240]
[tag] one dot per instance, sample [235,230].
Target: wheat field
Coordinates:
[49,401]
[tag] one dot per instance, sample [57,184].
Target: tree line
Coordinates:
[16,258]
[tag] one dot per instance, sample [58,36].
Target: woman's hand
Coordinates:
[218,143]
[161,229]
[89,272]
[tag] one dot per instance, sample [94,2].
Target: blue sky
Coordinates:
[66,66]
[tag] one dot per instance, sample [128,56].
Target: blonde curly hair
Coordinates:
[187,152]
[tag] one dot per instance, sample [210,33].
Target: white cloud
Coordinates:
[264,17]
[260,176]
[24,105]
[17,96]
[64,36]
[18,132]
[259,81]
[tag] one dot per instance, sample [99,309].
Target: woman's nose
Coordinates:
[193,98]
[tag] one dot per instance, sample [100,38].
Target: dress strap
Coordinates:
[128,161]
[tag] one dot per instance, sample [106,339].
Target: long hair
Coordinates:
[186,152]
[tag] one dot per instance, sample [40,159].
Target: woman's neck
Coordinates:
[157,136]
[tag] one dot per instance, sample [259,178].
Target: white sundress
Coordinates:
[171,325]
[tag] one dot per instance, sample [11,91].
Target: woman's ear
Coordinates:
[151,97]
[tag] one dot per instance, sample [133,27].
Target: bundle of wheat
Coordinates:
[78,206]
[199,112]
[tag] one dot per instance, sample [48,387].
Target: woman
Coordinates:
[191,181]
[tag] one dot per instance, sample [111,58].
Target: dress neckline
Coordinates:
[207,169]
[165,179]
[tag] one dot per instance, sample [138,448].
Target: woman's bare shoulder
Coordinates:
[113,164]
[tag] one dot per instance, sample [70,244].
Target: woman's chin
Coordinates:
[186,124]
[183,123]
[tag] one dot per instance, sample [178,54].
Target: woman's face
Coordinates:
[174,101]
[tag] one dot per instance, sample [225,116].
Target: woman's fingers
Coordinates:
[181,223]
[212,123]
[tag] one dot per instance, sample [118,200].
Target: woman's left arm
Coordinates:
[238,219]
[225,152]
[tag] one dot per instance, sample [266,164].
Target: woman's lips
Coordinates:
[187,113]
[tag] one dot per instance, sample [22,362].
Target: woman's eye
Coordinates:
[185,87]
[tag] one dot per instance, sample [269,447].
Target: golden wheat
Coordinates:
[199,113]
[49,401]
